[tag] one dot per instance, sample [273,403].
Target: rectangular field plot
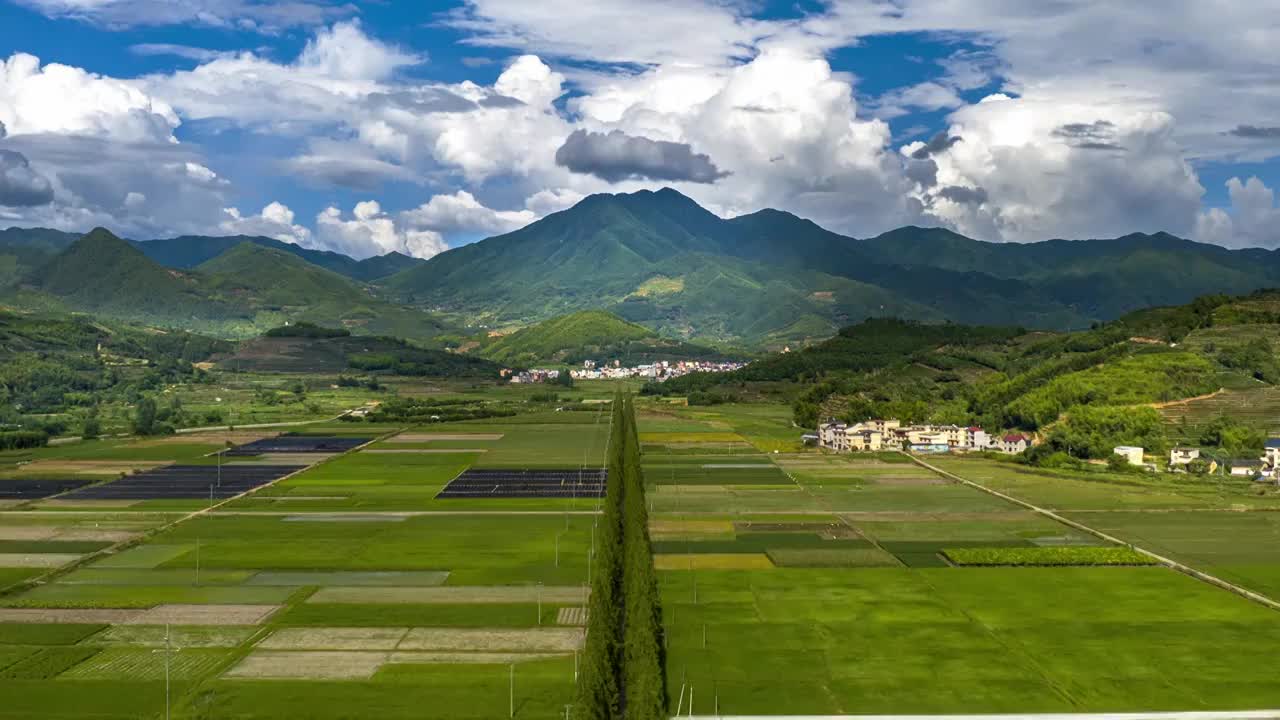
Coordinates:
[475,483]
[190,636]
[298,444]
[1239,547]
[713,470]
[141,664]
[945,641]
[36,489]
[185,482]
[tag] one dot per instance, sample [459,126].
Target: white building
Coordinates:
[1130,453]
[1014,443]
[1180,456]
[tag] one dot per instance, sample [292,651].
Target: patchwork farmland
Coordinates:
[319,571]
[363,570]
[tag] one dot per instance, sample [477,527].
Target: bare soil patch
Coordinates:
[334,639]
[89,467]
[203,615]
[572,616]
[308,665]
[87,616]
[489,640]
[36,560]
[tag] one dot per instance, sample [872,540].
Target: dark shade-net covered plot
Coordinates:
[526,484]
[185,482]
[34,489]
[299,444]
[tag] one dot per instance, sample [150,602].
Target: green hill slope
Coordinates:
[189,251]
[589,335]
[1148,378]
[104,274]
[659,259]
[240,293]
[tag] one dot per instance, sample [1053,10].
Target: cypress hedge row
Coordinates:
[623,672]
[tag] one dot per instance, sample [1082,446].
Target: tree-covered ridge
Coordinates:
[1079,391]
[55,363]
[239,293]
[659,259]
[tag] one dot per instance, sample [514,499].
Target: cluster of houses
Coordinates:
[1263,469]
[536,375]
[873,435]
[656,371]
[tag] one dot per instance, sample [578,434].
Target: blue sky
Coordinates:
[370,127]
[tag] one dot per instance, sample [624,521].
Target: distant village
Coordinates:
[659,371]
[1187,459]
[876,435]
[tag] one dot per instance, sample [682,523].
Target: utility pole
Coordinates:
[511,712]
[197,561]
[539,602]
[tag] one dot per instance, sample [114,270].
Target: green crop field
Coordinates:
[799,582]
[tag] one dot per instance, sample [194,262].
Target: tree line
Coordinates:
[623,675]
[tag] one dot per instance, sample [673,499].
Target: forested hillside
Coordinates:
[1082,392]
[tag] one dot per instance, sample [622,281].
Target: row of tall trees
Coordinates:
[623,674]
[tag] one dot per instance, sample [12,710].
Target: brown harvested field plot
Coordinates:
[308,665]
[490,640]
[571,616]
[713,561]
[153,636]
[334,638]
[428,437]
[89,467]
[36,560]
[459,594]
[203,615]
[72,616]
[832,557]
[463,658]
[92,535]
[427,451]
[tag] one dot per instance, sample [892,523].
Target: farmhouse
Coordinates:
[1245,467]
[1183,456]
[1131,453]
[1014,443]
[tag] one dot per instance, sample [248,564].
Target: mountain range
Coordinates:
[656,259]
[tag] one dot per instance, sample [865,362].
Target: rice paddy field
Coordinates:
[793,582]
[343,588]
[831,589]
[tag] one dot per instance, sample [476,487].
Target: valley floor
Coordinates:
[794,583]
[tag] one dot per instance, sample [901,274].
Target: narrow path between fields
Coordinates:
[1167,562]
